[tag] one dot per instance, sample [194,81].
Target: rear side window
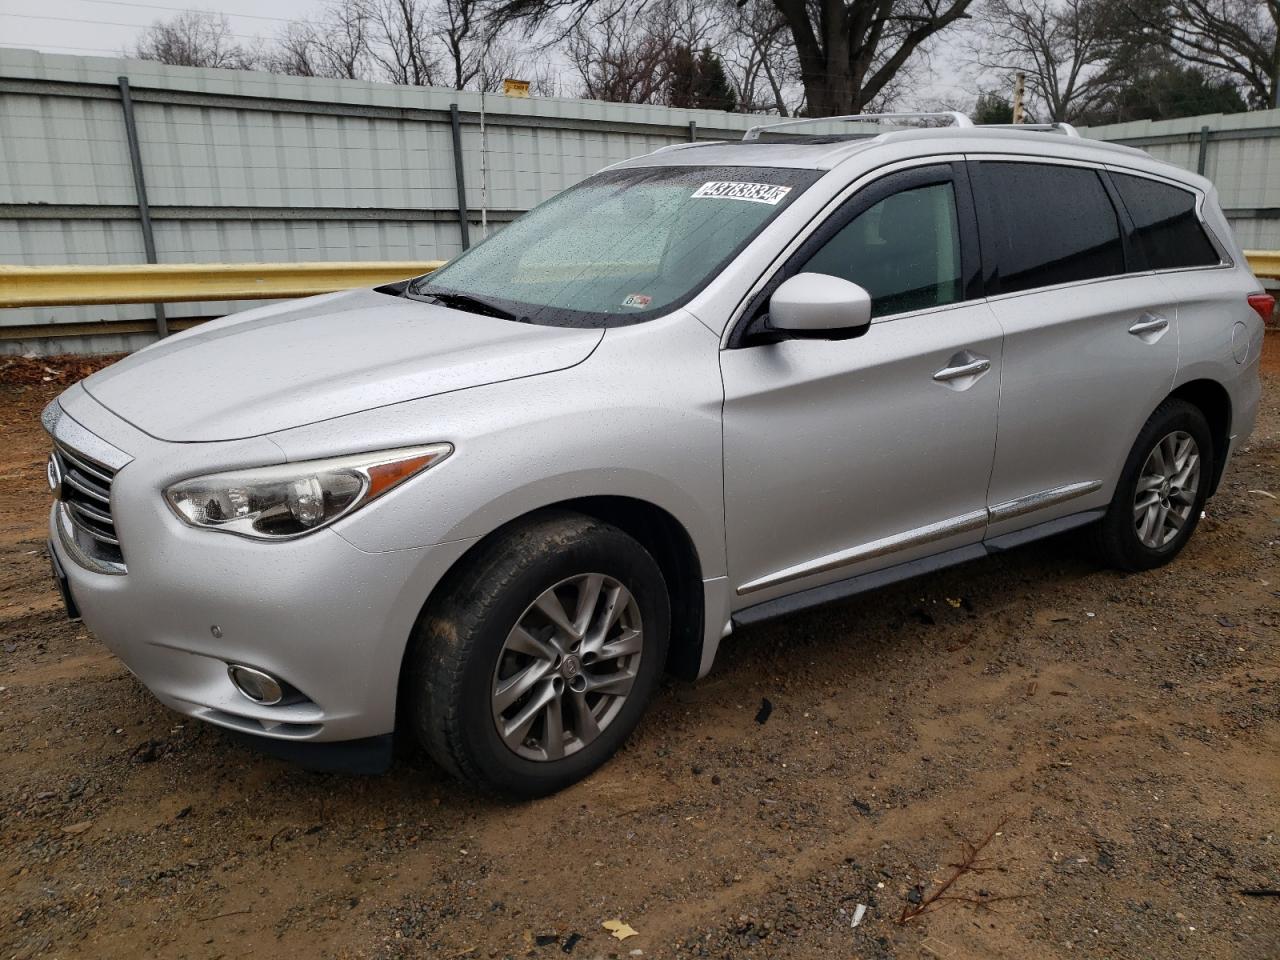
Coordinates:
[1166,228]
[1044,224]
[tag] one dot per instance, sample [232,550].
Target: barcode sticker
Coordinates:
[769,193]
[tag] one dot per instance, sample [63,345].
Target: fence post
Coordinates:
[693,131]
[140,188]
[1202,159]
[463,219]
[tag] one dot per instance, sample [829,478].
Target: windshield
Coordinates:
[623,246]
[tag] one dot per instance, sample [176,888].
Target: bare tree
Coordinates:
[337,45]
[1064,47]
[195,39]
[403,42]
[465,34]
[851,50]
[451,43]
[660,52]
[621,55]
[848,50]
[761,58]
[1236,38]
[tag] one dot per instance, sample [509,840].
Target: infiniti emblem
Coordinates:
[570,667]
[53,473]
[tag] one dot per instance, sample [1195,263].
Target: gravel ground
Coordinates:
[1101,750]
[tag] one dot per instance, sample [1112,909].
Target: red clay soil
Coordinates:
[1123,729]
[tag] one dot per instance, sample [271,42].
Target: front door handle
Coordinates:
[1149,324]
[961,366]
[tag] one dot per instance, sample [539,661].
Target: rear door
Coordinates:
[1091,338]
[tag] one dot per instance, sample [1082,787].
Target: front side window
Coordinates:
[623,246]
[903,250]
[1044,224]
[1166,227]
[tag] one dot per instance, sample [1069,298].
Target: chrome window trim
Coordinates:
[1058,287]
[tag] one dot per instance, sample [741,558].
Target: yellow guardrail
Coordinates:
[1264,263]
[79,285]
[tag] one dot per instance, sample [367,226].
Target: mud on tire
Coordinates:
[470,675]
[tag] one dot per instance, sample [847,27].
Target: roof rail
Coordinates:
[1065,129]
[957,118]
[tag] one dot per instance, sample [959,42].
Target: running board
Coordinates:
[843,589]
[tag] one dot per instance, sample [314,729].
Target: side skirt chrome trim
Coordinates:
[919,536]
[916,537]
[1038,501]
[843,589]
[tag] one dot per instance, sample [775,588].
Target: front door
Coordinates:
[842,457]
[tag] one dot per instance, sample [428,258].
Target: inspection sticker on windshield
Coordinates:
[769,193]
[637,300]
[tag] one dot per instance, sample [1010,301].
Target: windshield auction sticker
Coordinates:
[769,193]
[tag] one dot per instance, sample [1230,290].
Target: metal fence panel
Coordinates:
[243,166]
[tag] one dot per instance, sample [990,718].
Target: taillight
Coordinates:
[1264,305]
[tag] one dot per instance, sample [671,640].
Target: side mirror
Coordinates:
[820,306]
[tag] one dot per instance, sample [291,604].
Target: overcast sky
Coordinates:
[108,27]
[105,27]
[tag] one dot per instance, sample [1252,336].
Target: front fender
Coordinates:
[640,419]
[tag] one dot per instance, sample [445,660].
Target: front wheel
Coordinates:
[1161,492]
[539,658]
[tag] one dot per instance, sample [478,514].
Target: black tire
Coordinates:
[456,647]
[1116,540]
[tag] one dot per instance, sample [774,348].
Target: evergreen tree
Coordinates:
[714,90]
[1163,89]
[992,108]
[682,84]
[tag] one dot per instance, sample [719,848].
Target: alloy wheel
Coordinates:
[1167,488]
[567,667]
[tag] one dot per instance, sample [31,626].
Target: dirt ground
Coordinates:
[1116,737]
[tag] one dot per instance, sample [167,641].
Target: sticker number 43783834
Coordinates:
[770,193]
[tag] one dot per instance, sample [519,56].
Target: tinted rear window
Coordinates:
[1044,224]
[1166,228]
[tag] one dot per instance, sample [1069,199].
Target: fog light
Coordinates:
[257,686]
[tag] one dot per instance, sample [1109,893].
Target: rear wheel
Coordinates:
[539,659]
[1161,492]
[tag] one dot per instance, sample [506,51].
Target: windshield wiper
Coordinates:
[469,303]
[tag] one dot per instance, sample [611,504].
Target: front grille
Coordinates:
[86,498]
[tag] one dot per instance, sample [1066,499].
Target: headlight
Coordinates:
[292,499]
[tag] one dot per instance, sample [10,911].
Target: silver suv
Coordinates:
[487,508]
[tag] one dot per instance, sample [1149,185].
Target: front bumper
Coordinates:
[330,619]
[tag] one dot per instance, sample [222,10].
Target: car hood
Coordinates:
[301,362]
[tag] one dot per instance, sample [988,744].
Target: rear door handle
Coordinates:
[958,367]
[1149,324]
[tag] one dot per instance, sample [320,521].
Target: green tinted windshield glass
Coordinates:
[622,246]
